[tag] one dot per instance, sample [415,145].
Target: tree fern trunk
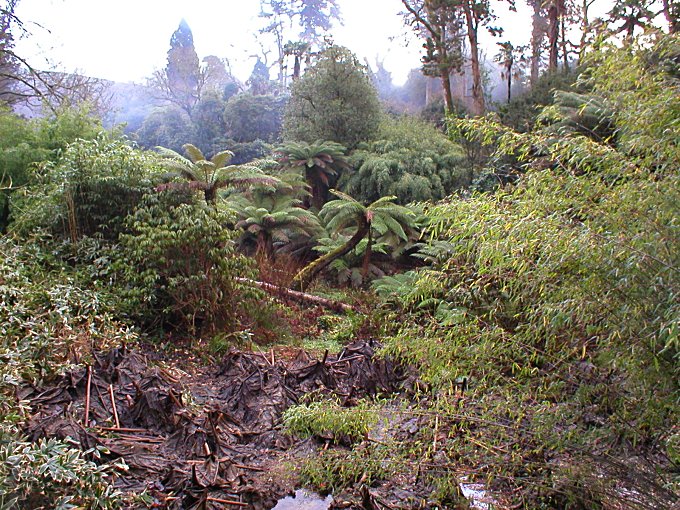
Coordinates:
[367,257]
[310,271]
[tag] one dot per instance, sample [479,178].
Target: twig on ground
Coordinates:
[88,391]
[113,406]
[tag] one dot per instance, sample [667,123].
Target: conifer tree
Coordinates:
[182,80]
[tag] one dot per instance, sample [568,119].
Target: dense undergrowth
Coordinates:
[564,330]
[546,322]
[51,318]
[542,317]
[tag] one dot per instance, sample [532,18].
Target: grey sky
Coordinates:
[126,40]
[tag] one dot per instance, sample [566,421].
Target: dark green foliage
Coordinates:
[24,143]
[88,191]
[210,175]
[411,160]
[584,114]
[335,100]
[322,163]
[179,265]
[208,119]
[380,218]
[349,269]
[250,117]
[435,112]
[521,112]
[273,221]
[247,152]
[166,127]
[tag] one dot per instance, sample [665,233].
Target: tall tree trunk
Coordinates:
[319,189]
[445,72]
[448,96]
[508,70]
[585,28]
[671,12]
[537,34]
[367,256]
[265,245]
[210,195]
[309,272]
[565,49]
[553,36]
[477,87]
[296,67]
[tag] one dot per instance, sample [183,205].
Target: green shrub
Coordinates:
[334,470]
[334,101]
[409,159]
[50,314]
[51,317]
[89,190]
[24,143]
[180,266]
[52,474]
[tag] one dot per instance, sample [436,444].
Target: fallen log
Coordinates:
[331,304]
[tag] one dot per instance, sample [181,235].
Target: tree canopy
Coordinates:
[334,100]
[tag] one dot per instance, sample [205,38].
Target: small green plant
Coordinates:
[337,331]
[329,420]
[335,470]
[222,342]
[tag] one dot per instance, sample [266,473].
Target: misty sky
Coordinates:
[126,40]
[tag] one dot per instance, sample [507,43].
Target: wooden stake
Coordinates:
[172,396]
[87,396]
[123,429]
[434,440]
[113,406]
[227,502]
[249,468]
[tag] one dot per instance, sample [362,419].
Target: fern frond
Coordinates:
[221,159]
[193,152]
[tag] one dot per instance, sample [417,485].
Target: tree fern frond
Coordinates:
[194,153]
[221,159]
[343,196]
[394,226]
[170,155]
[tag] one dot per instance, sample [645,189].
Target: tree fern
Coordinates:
[211,175]
[347,212]
[322,163]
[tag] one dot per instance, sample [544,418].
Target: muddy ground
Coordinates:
[212,438]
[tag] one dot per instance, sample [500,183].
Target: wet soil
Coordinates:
[208,439]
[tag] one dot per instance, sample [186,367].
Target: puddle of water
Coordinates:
[304,500]
[476,494]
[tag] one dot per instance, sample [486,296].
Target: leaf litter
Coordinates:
[213,439]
